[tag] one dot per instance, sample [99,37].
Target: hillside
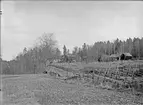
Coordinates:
[42,89]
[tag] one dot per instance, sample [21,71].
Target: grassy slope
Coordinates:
[107,65]
[42,90]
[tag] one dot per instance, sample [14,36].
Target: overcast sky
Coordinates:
[72,22]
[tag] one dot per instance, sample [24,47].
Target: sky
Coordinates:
[72,22]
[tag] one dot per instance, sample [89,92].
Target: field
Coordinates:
[44,89]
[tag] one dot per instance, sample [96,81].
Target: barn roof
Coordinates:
[117,55]
[127,54]
[114,55]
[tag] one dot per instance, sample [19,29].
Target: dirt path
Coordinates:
[45,91]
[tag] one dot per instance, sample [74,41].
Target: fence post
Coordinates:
[93,76]
[133,91]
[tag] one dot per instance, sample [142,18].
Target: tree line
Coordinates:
[102,50]
[33,60]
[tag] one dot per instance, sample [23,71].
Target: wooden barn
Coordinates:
[122,56]
[125,56]
[114,57]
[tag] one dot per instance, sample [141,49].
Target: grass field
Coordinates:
[42,89]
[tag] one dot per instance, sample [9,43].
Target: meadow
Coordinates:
[44,89]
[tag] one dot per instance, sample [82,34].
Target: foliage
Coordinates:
[34,59]
[99,49]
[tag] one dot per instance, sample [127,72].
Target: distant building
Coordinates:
[125,56]
[114,57]
[71,58]
[68,58]
[122,56]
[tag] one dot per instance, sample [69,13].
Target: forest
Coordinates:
[33,60]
